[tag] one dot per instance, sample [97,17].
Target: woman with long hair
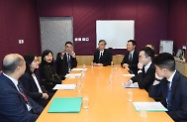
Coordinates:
[31,82]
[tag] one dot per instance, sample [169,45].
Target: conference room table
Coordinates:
[109,101]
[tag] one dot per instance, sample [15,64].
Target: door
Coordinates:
[55,31]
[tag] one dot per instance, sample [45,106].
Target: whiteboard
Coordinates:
[115,32]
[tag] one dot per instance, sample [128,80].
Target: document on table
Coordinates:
[132,85]
[79,69]
[76,75]
[149,106]
[67,105]
[128,75]
[64,87]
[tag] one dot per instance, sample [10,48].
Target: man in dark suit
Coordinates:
[102,56]
[172,88]
[66,60]
[146,72]
[130,59]
[15,106]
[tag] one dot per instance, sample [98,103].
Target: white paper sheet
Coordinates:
[79,69]
[128,75]
[133,85]
[149,106]
[64,86]
[76,75]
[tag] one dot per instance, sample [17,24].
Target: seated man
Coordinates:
[146,72]
[102,56]
[130,59]
[66,60]
[172,88]
[15,105]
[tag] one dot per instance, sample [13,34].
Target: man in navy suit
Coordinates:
[130,59]
[15,106]
[171,87]
[102,56]
[66,60]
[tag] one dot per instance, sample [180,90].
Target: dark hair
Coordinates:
[29,59]
[165,60]
[11,66]
[148,52]
[68,42]
[133,42]
[46,52]
[102,41]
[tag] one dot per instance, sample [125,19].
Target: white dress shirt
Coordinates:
[146,67]
[37,83]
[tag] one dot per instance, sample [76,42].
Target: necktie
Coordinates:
[168,97]
[130,56]
[29,107]
[69,62]
[100,58]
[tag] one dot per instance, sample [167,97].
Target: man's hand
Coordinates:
[140,65]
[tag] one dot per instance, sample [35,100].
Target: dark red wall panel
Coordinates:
[19,20]
[151,19]
[3,30]
[152,22]
[178,23]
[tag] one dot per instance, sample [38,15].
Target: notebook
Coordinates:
[65,105]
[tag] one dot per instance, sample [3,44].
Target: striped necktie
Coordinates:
[25,98]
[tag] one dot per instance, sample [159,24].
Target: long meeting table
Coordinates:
[108,99]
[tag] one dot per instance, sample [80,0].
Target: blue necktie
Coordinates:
[168,97]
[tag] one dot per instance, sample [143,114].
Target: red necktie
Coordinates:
[25,98]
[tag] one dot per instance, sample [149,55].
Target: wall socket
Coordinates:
[184,47]
[20,41]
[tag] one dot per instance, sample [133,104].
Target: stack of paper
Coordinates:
[149,106]
[64,86]
[76,75]
[65,105]
[79,69]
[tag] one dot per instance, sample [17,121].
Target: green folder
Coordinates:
[65,105]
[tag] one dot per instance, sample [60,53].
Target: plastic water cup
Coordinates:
[85,102]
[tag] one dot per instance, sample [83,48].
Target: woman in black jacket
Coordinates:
[31,83]
[49,76]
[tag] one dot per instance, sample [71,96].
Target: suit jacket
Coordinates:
[62,64]
[145,80]
[105,60]
[12,104]
[178,102]
[49,74]
[32,90]
[132,64]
